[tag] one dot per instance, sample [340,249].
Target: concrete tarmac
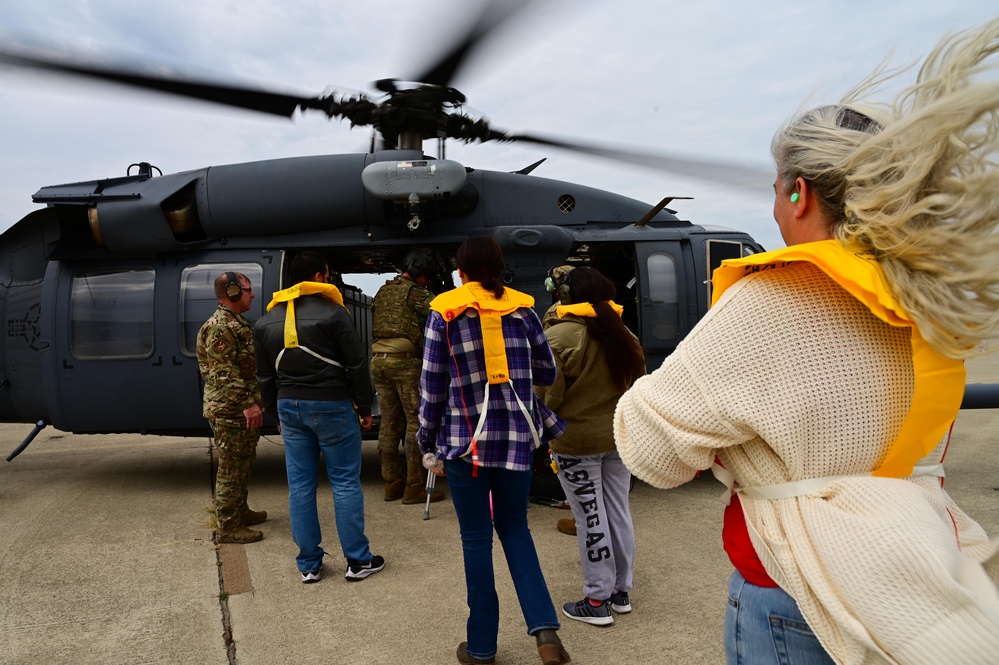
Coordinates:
[106,557]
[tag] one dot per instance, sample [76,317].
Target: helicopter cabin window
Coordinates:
[111,314]
[720,250]
[664,295]
[197,297]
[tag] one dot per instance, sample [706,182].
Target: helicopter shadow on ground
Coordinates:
[135,467]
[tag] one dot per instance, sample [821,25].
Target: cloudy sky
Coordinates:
[710,79]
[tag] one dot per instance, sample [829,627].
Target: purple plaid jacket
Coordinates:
[452,387]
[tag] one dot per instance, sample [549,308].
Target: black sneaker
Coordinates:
[357,571]
[620,602]
[311,576]
[586,612]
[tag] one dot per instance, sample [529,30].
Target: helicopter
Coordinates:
[104,289]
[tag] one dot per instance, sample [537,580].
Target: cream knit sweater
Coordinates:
[789,377]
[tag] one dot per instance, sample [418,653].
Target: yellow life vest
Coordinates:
[491,309]
[939,380]
[585,309]
[327,291]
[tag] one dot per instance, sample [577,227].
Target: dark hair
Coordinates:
[622,350]
[417,263]
[481,258]
[305,265]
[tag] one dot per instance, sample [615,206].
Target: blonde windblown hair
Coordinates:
[916,183]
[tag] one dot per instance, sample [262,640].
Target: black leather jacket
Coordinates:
[325,328]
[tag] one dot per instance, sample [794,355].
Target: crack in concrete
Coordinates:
[230,643]
[227,639]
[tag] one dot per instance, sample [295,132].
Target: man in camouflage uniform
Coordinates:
[232,405]
[399,313]
[557,283]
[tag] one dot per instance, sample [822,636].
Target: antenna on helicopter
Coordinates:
[531,167]
[657,208]
[145,169]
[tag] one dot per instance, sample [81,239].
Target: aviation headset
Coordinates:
[417,263]
[558,281]
[232,288]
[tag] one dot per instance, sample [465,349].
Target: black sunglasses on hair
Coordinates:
[847,118]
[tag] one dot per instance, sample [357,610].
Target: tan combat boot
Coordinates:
[239,535]
[251,517]
[394,489]
[417,493]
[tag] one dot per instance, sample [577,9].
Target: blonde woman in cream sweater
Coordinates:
[849,348]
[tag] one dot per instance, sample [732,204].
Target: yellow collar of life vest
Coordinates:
[585,309]
[327,291]
[491,309]
[939,380]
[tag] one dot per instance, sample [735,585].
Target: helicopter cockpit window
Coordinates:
[663,292]
[111,314]
[197,297]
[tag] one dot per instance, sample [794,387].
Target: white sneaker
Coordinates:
[620,602]
[358,571]
[310,576]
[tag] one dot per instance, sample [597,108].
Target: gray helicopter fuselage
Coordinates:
[103,290]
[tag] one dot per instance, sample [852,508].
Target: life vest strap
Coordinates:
[473,448]
[329,361]
[800,487]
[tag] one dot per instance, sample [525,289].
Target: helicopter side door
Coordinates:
[124,336]
[667,297]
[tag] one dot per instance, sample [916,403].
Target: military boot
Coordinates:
[417,493]
[238,535]
[251,517]
[394,489]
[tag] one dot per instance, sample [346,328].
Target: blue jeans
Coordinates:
[763,626]
[470,496]
[311,427]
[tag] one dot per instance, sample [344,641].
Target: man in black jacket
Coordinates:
[313,366]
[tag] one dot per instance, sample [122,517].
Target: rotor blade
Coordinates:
[494,13]
[744,177]
[238,96]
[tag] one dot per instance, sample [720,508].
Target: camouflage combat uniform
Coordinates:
[400,310]
[228,366]
[558,285]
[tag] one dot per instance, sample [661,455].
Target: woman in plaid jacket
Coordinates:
[484,351]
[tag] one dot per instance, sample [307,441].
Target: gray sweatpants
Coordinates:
[596,487]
